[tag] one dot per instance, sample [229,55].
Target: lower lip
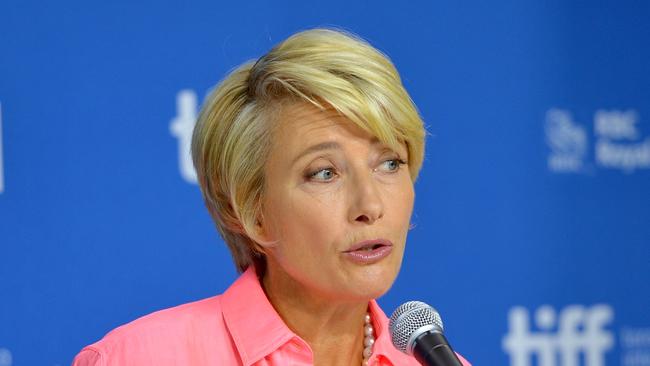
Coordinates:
[369,256]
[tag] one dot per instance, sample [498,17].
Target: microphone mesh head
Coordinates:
[409,321]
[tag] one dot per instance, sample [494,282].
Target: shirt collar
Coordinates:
[257,329]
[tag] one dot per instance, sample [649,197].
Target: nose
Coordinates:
[367,205]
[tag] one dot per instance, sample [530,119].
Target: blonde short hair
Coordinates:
[324,67]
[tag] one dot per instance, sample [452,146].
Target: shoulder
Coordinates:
[188,332]
[173,322]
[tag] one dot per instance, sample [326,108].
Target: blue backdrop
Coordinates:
[532,209]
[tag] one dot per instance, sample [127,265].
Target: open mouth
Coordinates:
[369,245]
[369,251]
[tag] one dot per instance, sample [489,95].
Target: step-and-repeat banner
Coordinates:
[532,217]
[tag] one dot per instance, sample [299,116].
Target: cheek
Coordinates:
[301,220]
[401,200]
[315,219]
[409,200]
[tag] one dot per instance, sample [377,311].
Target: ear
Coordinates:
[262,235]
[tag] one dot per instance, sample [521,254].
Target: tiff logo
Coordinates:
[579,331]
[5,357]
[181,127]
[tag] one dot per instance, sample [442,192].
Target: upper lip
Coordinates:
[368,243]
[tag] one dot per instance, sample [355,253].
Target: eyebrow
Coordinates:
[327,145]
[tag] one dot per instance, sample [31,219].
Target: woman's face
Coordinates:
[337,204]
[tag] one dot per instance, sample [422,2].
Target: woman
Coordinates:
[306,160]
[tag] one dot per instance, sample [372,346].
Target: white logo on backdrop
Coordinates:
[618,142]
[181,127]
[617,145]
[635,344]
[579,331]
[567,140]
[2,169]
[5,357]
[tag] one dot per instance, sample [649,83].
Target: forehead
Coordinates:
[300,124]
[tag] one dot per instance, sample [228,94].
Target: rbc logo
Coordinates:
[579,331]
[567,140]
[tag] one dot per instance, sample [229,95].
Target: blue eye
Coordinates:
[323,175]
[392,165]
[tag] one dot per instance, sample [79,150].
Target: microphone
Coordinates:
[416,329]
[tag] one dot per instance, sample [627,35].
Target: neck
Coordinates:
[333,329]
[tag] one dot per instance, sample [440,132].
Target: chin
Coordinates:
[375,293]
[373,283]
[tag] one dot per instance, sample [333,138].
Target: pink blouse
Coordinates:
[239,327]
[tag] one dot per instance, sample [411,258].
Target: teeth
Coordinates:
[371,247]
